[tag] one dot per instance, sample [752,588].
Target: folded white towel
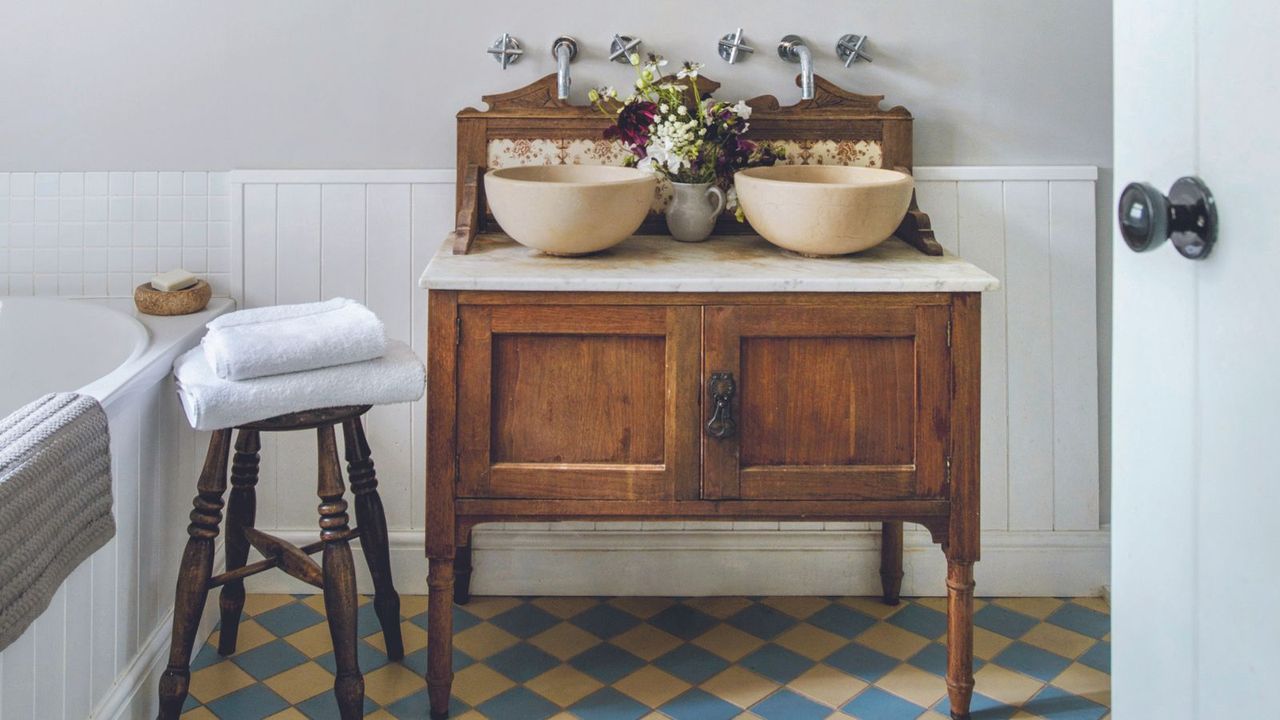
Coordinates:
[212,403]
[291,338]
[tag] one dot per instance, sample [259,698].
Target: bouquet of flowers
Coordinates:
[671,129]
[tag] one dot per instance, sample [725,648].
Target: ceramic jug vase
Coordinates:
[693,211]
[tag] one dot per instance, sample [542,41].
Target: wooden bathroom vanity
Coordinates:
[726,380]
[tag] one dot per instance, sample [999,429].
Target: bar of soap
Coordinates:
[173,280]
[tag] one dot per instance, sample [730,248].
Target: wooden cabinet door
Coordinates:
[578,402]
[837,403]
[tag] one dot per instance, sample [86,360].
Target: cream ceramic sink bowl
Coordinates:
[569,209]
[824,209]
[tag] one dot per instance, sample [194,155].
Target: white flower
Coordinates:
[742,110]
[690,70]
[682,110]
[664,108]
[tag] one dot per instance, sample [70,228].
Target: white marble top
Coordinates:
[727,263]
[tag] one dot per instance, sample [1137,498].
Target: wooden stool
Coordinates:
[336,575]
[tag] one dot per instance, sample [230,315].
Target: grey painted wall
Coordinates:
[336,83]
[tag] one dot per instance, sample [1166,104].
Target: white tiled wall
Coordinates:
[103,233]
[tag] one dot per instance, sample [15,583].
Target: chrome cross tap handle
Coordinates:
[731,45]
[506,50]
[849,49]
[622,48]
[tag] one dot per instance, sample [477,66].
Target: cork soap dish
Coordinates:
[177,302]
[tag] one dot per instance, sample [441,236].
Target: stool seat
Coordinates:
[334,574]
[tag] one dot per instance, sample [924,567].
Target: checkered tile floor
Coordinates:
[786,658]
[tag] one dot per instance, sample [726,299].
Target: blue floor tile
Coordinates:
[981,707]
[1003,621]
[418,706]
[1098,657]
[417,661]
[288,619]
[518,702]
[841,620]
[1031,660]
[776,663]
[607,663]
[367,621]
[691,663]
[462,620]
[605,621]
[521,662]
[683,621]
[1056,704]
[369,657]
[787,705]
[699,705]
[933,658]
[324,707]
[921,621]
[1082,620]
[269,660]
[207,656]
[861,662]
[525,620]
[608,704]
[762,621]
[251,703]
[876,704]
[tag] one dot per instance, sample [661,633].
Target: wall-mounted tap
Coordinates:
[622,48]
[506,50]
[849,49]
[792,49]
[564,50]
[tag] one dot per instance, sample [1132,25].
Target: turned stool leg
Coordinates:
[959,636]
[241,512]
[340,600]
[891,561]
[462,571]
[440,636]
[194,574]
[373,534]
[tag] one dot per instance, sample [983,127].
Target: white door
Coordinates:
[1196,377]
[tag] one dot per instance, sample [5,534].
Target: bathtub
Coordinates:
[99,647]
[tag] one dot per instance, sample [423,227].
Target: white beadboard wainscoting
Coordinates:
[305,235]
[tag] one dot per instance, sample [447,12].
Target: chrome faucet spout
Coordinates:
[793,49]
[565,49]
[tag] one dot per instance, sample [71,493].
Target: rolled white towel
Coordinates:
[292,338]
[212,403]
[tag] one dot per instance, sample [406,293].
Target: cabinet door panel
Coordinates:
[831,403]
[582,403]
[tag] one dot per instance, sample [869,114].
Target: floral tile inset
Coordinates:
[860,153]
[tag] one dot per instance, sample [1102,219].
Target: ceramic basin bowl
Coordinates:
[569,209]
[824,210]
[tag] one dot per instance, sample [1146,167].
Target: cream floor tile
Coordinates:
[740,687]
[809,641]
[300,683]
[255,604]
[484,640]
[563,685]
[892,641]
[1083,680]
[564,640]
[565,607]
[1093,603]
[413,605]
[911,683]
[642,607]
[827,685]
[1037,607]
[391,682]
[211,683]
[646,642]
[719,607]
[797,606]
[413,637]
[728,642]
[313,641]
[871,606]
[489,607]
[295,714]
[477,683]
[987,644]
[249,635]
[1058,640]
[1007,686]
[651,686]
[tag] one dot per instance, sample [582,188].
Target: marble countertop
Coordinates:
[727,263]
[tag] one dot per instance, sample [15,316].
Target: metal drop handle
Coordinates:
[722,388]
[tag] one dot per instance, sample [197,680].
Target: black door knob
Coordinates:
[1188,217]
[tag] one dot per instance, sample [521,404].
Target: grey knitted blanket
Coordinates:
[55,501]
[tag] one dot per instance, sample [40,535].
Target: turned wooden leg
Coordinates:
[891,561]
[462,572]
[340,600]
[959,636]
[194,574]
[440,636]
[241,511]
[373,534]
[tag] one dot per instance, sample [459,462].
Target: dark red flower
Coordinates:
[632,126]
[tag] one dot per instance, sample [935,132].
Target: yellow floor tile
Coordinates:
[728,642]
[646,642]
[295,714]
[933,603]
[565,607]
[740,687]
[1058,640]
[892,641]
[483,640]
[413,605]
[651,686]
[199,713]
[391,682]
[379,715]
[488,607]
[249,636]
[213,682]
[870,606]
[1083,680]
[313,641]
[1093,603]
[315,602]
[562,716]
[564,685]
[478,683]
[931,715]
[987,644]
[257,604]
[472,715]
[827,685]
[1037,607]
[912,683]
[300,683]
[564,640]
[413,637]
[811,642]
[1007,686]
[797,606]
[719,607]
[642,607]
